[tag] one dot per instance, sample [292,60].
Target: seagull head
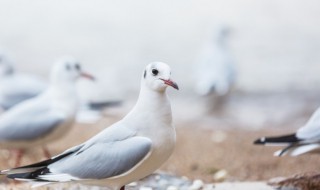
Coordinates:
[68,69]
[157,76]
[6,66]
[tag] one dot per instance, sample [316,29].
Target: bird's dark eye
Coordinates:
[78,67]
[155,72]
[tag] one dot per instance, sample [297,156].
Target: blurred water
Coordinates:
[275,42]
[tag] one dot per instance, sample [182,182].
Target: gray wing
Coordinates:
[18,88]
[101,160]
[28,124]
[10,101]
[311,131]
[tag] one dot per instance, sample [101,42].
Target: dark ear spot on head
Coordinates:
[144,74]
[77,66]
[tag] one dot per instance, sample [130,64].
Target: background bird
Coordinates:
[126,151]
[306,139]
[215,69]
[16,87]
[46,117]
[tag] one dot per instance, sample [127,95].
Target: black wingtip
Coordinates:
[30,175]
[21,176]
[292,138]
[104,105]
[260,141]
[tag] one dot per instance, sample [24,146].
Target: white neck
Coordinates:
[64,97]
[153,104]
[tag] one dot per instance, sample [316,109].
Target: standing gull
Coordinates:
[46,117]
[216,72]
[126,151]
[215,69]
[16,87]
[306,139]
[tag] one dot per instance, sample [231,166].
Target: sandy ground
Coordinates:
[202,156]
[200,153]
[211,144]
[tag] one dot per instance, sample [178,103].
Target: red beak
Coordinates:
[171,83]
[88,76]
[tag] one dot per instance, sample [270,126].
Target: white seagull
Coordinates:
[215,66]
[126,151]
[16,87]
[306,139]
[44,118]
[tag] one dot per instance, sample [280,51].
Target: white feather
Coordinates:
[277,144]
[58,177]
[304,149]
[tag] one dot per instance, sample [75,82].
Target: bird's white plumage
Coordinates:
[312,128]
[304,149]
[130,149]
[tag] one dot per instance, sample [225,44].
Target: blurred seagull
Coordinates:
[44,118]
[126,151]
[17,87]
[216,72]
[306,139]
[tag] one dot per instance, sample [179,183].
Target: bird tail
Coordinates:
[31,172]
[18,170]
[98,106]
[277,141]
